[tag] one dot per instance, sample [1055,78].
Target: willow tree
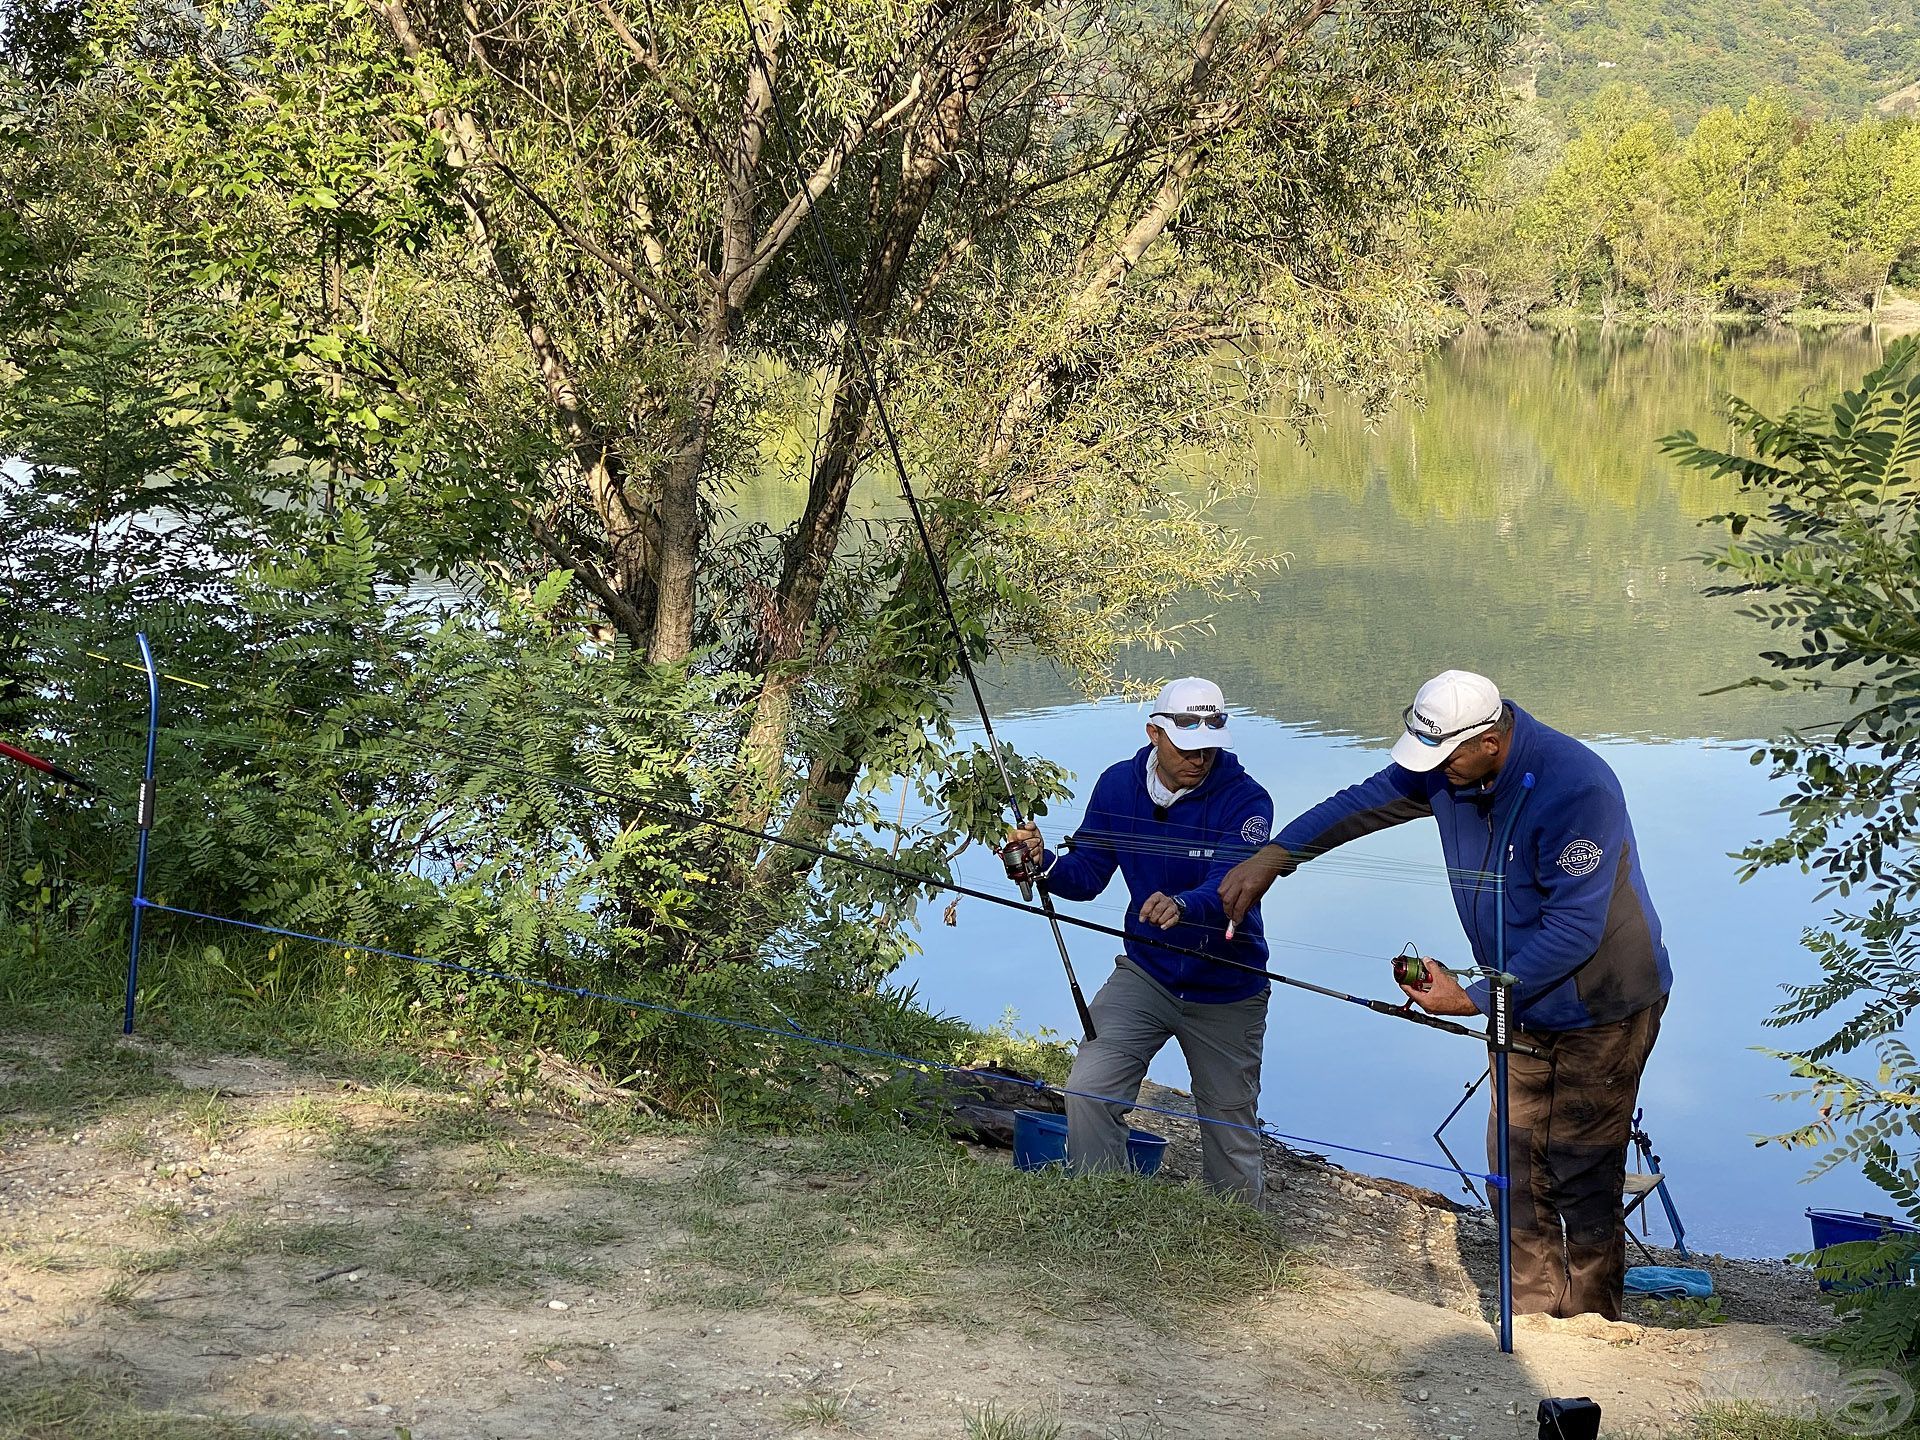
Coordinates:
[530,283]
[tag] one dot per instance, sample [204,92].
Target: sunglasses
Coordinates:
[1406,719]
[1193,722]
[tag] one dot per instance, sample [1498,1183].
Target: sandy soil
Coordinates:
[281,1246]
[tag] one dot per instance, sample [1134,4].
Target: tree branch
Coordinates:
[654,296]
[632,623]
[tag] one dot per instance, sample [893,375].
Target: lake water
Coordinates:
[1521,523]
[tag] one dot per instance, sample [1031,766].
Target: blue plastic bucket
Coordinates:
[1145,1150]
[1040,1140]
[1842,1227]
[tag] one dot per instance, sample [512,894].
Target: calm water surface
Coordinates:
[1523,524]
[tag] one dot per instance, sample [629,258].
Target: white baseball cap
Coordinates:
[1199,702]
[1451,708]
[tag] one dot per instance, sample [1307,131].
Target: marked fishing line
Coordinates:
[794,1034]
[692,818]
[689,817]
[1386,868]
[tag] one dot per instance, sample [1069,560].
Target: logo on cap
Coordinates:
[1427,720]
[1582,857]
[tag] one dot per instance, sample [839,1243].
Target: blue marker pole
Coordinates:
[145,821]
[1500,1041]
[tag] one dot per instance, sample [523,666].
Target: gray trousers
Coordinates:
[1134,1016]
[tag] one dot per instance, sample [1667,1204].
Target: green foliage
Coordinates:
[398,369]
[1756,210]
[1829,56]
[1004,1046]
[1825,550]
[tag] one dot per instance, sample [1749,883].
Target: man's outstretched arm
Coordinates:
[1392,797]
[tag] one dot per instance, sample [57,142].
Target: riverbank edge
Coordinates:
[334,1205]
[1897,314]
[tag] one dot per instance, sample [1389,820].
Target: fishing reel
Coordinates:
[1022,868]
[1410,968]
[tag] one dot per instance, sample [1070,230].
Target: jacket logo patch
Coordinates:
[1582,857]
[1254,832]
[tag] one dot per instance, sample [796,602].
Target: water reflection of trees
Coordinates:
[1522,521]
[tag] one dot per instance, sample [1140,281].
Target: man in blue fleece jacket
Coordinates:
[1172,820]
[1582,942]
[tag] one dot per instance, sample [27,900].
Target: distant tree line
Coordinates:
[1755,210]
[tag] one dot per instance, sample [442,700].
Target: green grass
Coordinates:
[93,1078]
[320,1240]
[1683,1314]
[45,1260]
[818,1412]
[209,1118]
[45,1404]
[448,1252]
[893,1219]
[1755,1422]
[309,1112]
[376,1158]
[524,1256]
[991,1423]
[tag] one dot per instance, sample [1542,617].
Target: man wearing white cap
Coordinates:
[1172,820]
[1581,940]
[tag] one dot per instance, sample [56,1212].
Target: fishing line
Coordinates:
[694,818]
[857,343]
[480,754]
[1412,872]
[791,1033]
[500,762]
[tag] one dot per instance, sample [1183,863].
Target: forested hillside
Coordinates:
[1756,210]
[1834,57]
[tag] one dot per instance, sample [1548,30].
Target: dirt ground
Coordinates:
[233,1238]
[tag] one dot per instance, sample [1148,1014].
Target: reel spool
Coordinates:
[1410,968]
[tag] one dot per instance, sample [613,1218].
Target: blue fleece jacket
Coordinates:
[1582,937]
[1183,851]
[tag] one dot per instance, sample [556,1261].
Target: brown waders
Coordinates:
[1569,1123]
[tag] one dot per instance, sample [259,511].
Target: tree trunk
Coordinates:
[808,552]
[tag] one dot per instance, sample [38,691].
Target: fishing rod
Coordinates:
[46,767]
[683,816]
[1381,1007]
[499,759]
[1020,868]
